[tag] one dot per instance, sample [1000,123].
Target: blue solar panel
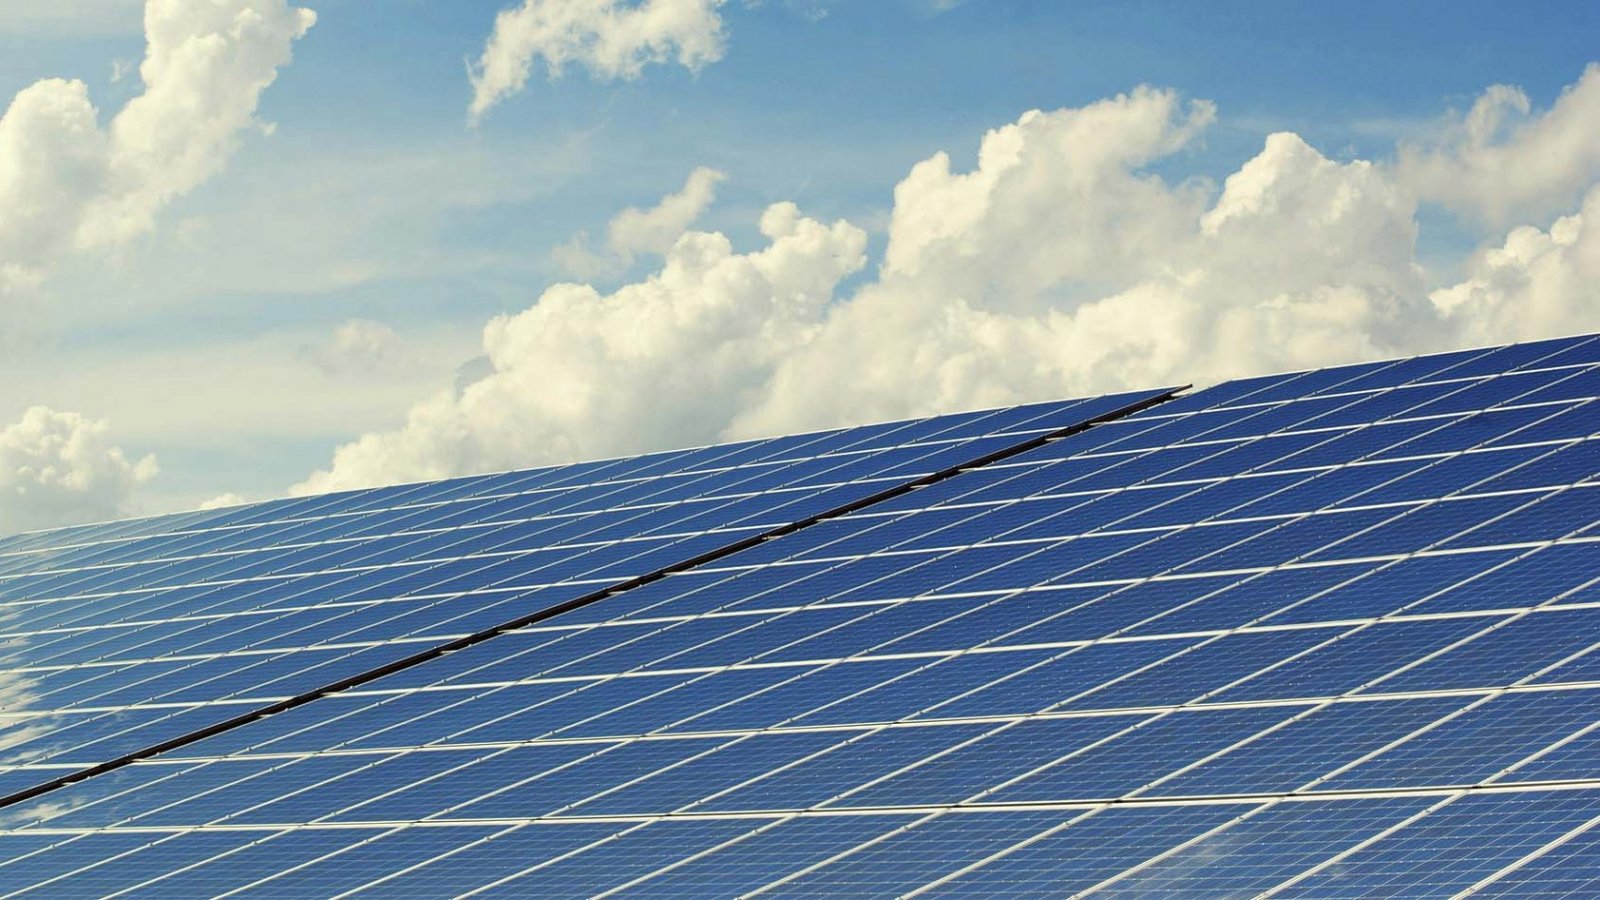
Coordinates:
[115,645]
[1330,633]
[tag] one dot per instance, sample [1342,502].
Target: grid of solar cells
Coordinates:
[1326,634]
[121,636]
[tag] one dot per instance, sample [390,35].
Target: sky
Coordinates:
[250,248]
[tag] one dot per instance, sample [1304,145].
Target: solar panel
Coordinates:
[117,643]
[1330,633]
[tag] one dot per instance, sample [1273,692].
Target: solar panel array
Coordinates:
[1333,633]
[130,634]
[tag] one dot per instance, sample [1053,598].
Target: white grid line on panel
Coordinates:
[1452,792]
[1531,857]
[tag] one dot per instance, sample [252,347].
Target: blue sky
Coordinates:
[209,338]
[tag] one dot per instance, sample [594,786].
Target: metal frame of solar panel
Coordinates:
[1332,633]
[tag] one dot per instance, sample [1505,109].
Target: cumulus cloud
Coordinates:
[59,467]
[1060,264]
[222,501]
[69,185]
[1300,261]
[1537,283]
[1056,199]
[610,38]
[1502,163]
[655,230]
[657,363]
[362,347]
[636,231]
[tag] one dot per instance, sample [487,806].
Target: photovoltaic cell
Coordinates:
[1320,634]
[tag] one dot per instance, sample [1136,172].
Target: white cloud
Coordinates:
[362,347]
[222,501]
[611,38]
[1503,164]
[637,231]
[59,467]
[1057,199]
[657,363]
[1122,280]
[1060,265]
[655,230]
[67,185]
[1537,283]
